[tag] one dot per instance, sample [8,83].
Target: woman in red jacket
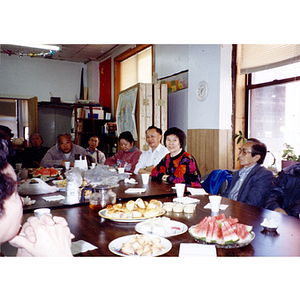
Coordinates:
[178,166]
[128,156]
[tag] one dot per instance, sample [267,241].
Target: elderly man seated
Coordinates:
[64,151]
[249,184]
[284,194]
[34,154]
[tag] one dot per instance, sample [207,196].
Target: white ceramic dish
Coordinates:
[269,225]
[175,228]
[116,245]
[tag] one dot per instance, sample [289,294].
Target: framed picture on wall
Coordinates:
[176,82]
[125,115]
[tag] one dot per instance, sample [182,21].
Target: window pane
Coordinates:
[275,117]
[129,75]
[144,66]
[287,71]
[137,68]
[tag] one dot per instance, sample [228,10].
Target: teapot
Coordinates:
[101,197]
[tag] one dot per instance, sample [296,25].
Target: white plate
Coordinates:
[116,245]
[174,231]
[102,213]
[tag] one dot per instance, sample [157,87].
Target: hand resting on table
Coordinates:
[46,236]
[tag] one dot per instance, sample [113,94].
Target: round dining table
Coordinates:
[87,225]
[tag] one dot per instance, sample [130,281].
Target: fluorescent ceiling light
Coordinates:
[46,47]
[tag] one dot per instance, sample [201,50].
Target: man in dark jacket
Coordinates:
[284,194]
[34,154]
[249,184]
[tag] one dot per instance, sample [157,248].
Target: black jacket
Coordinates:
[254,187]
[285,191]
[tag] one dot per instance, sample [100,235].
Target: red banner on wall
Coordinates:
[105,83]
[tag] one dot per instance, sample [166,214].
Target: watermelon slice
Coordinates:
[220,238]
[232,221]
[228,233]
[210,230]
[203,222]
[53,172]
[203,230]
[242,232]
[214,235]
[220,217]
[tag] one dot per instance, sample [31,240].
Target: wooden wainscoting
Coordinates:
[211,148]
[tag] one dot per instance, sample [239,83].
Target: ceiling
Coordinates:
[82,53]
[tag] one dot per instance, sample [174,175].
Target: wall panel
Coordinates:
[212,148]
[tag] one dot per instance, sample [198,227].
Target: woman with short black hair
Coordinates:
[178,166]
[128,156]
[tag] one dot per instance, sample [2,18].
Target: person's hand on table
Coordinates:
[146,170]
[46,236]
[165,178]
[281,210]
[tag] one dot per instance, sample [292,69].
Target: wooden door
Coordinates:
[33,115]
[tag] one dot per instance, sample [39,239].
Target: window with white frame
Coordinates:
[136,68]
[273,104]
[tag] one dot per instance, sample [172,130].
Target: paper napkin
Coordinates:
[130,180]
[222,206]
[54,198]
[27,201]
[192,249]
[186,200]
[196,191]
[135,190]
[81,246]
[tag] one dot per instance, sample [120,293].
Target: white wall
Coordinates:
[39,77]
[170,59]
[225,88]
[204,65]
[93,80]
[211,63]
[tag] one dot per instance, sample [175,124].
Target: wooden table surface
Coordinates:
[87,225]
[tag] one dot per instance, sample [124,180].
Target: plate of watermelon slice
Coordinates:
[46,173]
[222,232]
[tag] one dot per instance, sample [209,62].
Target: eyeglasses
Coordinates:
[243,151]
